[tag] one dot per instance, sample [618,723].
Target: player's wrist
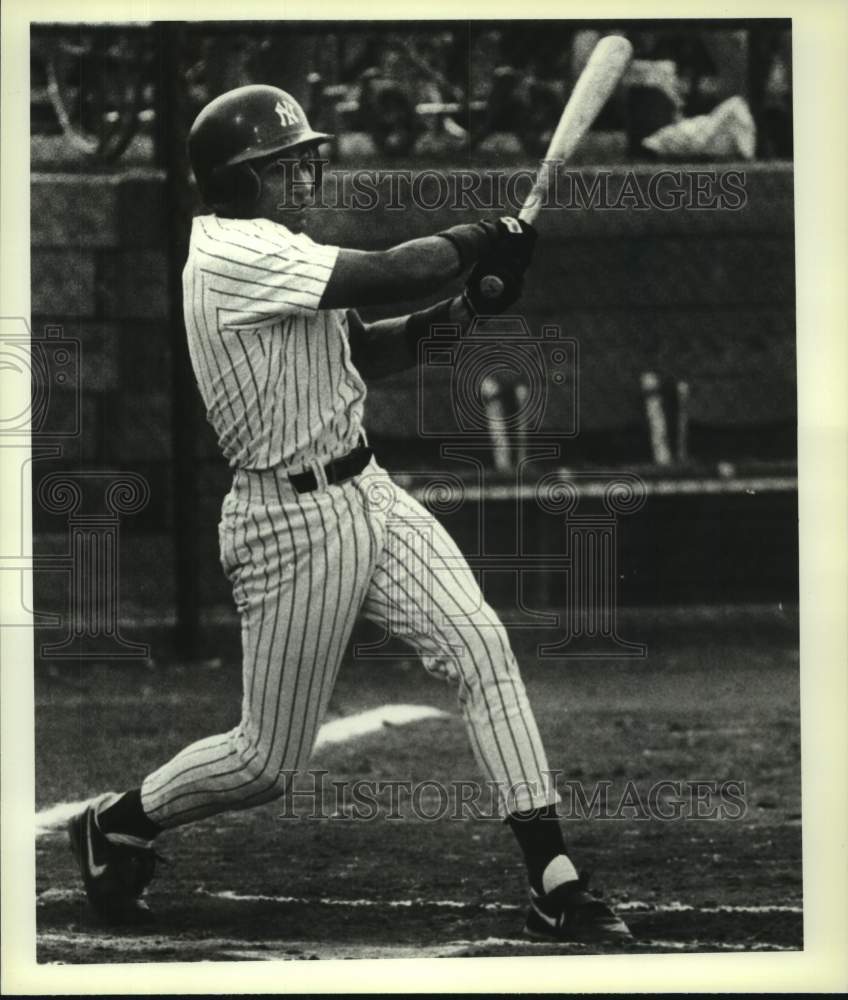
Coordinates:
[471,241]
[495,284]
[508,237]
[461,310]
[448,312]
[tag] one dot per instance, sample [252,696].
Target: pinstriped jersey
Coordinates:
[274,371]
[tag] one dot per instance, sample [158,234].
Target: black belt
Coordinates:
[336,471]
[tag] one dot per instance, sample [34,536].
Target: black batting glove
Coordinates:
[494,285]
[497,279]
[508,237]
[515,240]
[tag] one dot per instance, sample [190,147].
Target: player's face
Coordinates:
[289,188]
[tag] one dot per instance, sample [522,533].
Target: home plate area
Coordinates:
[657,929]
[261,885]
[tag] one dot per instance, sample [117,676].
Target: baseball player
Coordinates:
[313,531]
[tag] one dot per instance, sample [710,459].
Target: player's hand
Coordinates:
[514,240]
[494,285]
[508,238]
[498,277]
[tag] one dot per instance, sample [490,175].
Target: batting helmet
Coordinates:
[244,124]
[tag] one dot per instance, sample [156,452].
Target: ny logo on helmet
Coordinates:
[287,113]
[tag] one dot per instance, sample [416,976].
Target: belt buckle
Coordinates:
[330,471]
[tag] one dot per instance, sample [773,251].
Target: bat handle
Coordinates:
[530,209]
[533,202]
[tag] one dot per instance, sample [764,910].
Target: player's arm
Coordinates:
[392,345]
[416,268]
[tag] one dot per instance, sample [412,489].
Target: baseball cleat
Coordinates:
[572,913]
[116,868]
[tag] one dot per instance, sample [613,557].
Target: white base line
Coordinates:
[372,721]
[70,895]
[223,949]
[55,818]
[672,907]
[377,904]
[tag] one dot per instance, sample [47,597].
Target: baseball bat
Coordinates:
[600,76]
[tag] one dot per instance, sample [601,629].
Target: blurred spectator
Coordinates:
[544,54]
[771,90]
[436,88]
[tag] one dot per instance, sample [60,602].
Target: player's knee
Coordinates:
[269,771]
[271,788]
[260,771]
[263,782]
[474,650]
[487,643]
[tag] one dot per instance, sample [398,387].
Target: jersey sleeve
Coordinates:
[259,272]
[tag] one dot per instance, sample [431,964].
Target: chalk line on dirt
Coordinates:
[637,907]
[55,818]
[290,950]
[70,895]
[351,726]
[634,906]
[445,904]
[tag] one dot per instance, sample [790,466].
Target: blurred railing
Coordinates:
[93,86]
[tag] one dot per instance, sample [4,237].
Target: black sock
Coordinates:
[540,838]
[127,816]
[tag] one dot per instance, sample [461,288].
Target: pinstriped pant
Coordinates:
[302,568]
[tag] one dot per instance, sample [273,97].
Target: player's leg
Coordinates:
[299,576]
[300,568]
[425,592]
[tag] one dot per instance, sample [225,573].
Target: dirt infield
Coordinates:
[716,701]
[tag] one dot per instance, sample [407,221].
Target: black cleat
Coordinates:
[116,868]
[572,913]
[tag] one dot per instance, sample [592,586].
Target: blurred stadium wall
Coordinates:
[702,296]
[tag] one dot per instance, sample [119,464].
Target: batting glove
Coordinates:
[497,279]
[515,239]
[507,237]
[494,285]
